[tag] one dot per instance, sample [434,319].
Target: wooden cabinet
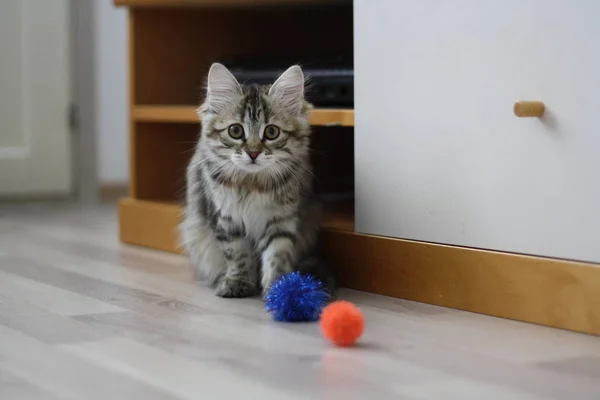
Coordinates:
[172,45]
[442,156]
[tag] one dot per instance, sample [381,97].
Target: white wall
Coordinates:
[111,88]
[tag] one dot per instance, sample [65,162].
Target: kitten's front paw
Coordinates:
[235,288]
[268,280]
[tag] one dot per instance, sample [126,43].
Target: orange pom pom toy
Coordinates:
[342,323]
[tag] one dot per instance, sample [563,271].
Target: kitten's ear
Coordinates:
[222,88]
[288,90]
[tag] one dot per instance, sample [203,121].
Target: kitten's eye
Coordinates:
[271,132]
[236,131]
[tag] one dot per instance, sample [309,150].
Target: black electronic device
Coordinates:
[330,80]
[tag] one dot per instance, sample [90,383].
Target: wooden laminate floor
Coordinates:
[84,317]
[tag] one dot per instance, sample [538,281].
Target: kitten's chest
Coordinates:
[253,209]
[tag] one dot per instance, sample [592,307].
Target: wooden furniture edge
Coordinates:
[149,224]
[221,3]
[557,293]
[187,114]
[131,100]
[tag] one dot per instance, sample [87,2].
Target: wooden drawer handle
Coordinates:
[524,109]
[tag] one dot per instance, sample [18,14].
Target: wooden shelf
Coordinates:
[154,223]
[164,114]
[221,3]
[187,114]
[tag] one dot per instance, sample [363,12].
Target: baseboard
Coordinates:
[557,293]
[149,224]
[113,191]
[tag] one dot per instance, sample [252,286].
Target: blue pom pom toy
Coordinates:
[295,298]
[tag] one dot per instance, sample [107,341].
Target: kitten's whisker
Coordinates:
[296,174]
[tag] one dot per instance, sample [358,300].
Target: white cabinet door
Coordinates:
[34,98]
[439,155]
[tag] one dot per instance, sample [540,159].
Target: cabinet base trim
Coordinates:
[557,293]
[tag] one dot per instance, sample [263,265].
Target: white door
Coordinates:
[35,149]
[440,157]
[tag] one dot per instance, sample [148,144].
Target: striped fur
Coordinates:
[248,221]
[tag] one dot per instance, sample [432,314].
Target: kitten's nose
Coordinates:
[253,154]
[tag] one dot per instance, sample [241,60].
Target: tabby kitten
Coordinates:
[251,215]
